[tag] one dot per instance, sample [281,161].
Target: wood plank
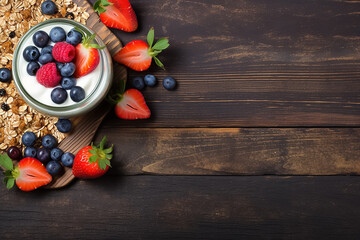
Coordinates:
[229,151]
[153,207]
[253,62]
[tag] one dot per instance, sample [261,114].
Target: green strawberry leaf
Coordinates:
[158,62]
[6,162]
[109,150]
[102,143]
[100,6]
[97,46]
[93,158]
[105,3]
[161,44]
[92,151]
[10,183]
[102,164]
[109,156]
[107,162]
[150,37]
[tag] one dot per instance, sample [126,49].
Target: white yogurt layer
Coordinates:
[43,94]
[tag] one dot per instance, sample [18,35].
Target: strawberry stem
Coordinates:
[100,6]
[100,155]
[87,39]
[158,47]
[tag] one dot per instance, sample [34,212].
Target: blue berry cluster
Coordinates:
[36,58]
[48,153]
[139,83]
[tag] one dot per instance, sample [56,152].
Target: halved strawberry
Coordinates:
[86,56]
[130,105]
[117,14]
[138,54]
[30,173]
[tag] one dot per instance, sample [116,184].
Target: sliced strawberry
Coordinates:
[87,56]
[86,60]
[117,14]
[135,55]
[138,54]
[131,105]
[30,174]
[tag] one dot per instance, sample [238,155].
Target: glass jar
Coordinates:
[96,84]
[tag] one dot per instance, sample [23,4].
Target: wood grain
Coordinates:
[234,151]
[86,126]
[152,207]
[253,63]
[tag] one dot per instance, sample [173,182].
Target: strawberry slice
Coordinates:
[87,56]
[117,14]
[30,173]
[130,105]
[138,54]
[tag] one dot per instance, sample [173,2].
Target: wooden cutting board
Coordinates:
[85,126]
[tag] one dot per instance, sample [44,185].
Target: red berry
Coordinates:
[63,52]
[48,76]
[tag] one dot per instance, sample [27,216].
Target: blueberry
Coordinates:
[5,75]
[57,34]
[48,141]
[77,94]
[169,83]
[59,95]
[63,125]
[28,139]
[56,153]
[53,168]
[68,82]
[59,66]
[32,68]
[31,53]
[138,83]
[74,37]
[14,153]
[40,39]
[43,155]
[67,159]
[48,7]
[68,69]
[47,49]
[150,80]
[46,58]
[30,152]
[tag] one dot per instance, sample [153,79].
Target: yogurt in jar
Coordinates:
[43,94]
[96,84]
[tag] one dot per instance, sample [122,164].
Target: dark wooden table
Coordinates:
[259,141]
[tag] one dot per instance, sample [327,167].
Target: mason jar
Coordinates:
[96,84]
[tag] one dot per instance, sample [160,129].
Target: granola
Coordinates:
[16,18]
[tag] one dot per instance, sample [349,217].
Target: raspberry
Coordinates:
[48,76]
[63,52]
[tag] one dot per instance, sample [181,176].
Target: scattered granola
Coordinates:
[16,117]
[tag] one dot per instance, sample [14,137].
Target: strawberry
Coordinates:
[86,55]
[30,173]
[117,14]
[138,54]
[92,161]
[130,105]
